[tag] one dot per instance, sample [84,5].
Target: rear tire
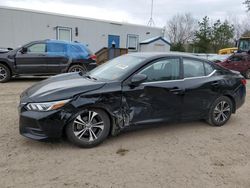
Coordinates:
[247,74]
[220,111]
[89,129]
[78,68]
[5,74]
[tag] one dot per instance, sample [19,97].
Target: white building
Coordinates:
[155,44]
[19,26]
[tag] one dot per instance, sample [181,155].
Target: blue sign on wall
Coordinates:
[114,40]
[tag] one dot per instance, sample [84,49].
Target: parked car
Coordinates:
[132,89]
[47,57]
[5,50]
[218,58]
[238,62]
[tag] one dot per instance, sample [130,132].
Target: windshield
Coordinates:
[244,45]
[116,68]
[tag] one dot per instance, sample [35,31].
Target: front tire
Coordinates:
[5,74]
[78,68]
[220,111]
[89,128]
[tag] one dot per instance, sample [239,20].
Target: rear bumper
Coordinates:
[240,96]
[91,66]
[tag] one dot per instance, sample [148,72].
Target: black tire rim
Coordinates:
[78,69]
[222,112]
[3,73]
[88,126]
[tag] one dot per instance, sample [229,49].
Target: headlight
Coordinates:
[46,106]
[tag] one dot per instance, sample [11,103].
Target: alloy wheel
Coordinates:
[3,73]
[222,112]
[88,126]
[76,70]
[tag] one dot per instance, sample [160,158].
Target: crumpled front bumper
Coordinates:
[41,125]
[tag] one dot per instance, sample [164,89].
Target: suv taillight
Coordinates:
[244,81]
[93,57]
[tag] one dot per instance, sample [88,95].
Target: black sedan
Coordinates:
[130,90]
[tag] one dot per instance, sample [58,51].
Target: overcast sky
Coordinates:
[135,11]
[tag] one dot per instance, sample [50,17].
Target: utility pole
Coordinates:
[151,21]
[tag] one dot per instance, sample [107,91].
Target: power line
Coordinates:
[151,21]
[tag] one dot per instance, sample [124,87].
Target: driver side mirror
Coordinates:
[138,79]
[24,50]
[229,61]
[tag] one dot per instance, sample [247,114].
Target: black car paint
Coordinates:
[126,105]
[40,64]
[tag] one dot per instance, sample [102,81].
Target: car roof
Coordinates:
[153,55]
[63,42]
[57,41]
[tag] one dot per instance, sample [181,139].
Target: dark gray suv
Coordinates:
[46,57]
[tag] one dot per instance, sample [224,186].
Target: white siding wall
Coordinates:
[19,27]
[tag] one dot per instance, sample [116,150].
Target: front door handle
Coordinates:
[177,91]
[215,83]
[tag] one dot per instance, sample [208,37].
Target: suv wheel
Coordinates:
[220,111]
[247,74]
[89,128]
[78,68]
[4,73]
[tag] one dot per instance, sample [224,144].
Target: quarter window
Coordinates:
[37,48]
[193,68]
[167,69]
[208,68]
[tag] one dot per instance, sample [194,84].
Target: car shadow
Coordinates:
[129,133]
[28,79]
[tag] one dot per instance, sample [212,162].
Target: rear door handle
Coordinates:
[177,91]
[41,55]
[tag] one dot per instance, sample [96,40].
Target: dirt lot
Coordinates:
[173,155]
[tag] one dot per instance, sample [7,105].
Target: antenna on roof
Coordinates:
[151,21]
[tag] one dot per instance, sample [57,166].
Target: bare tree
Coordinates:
[247,3]
[180,29]
[241,25]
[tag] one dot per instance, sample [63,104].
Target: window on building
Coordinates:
[132,42]
[37,48]
[167,69]
[64,33]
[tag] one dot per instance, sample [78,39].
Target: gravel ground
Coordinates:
[174,155]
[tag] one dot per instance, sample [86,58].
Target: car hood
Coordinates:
[63,86]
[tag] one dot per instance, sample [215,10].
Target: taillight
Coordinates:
[244,81]
[93,57]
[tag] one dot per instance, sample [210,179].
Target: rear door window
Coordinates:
[56,48]
[193,68]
